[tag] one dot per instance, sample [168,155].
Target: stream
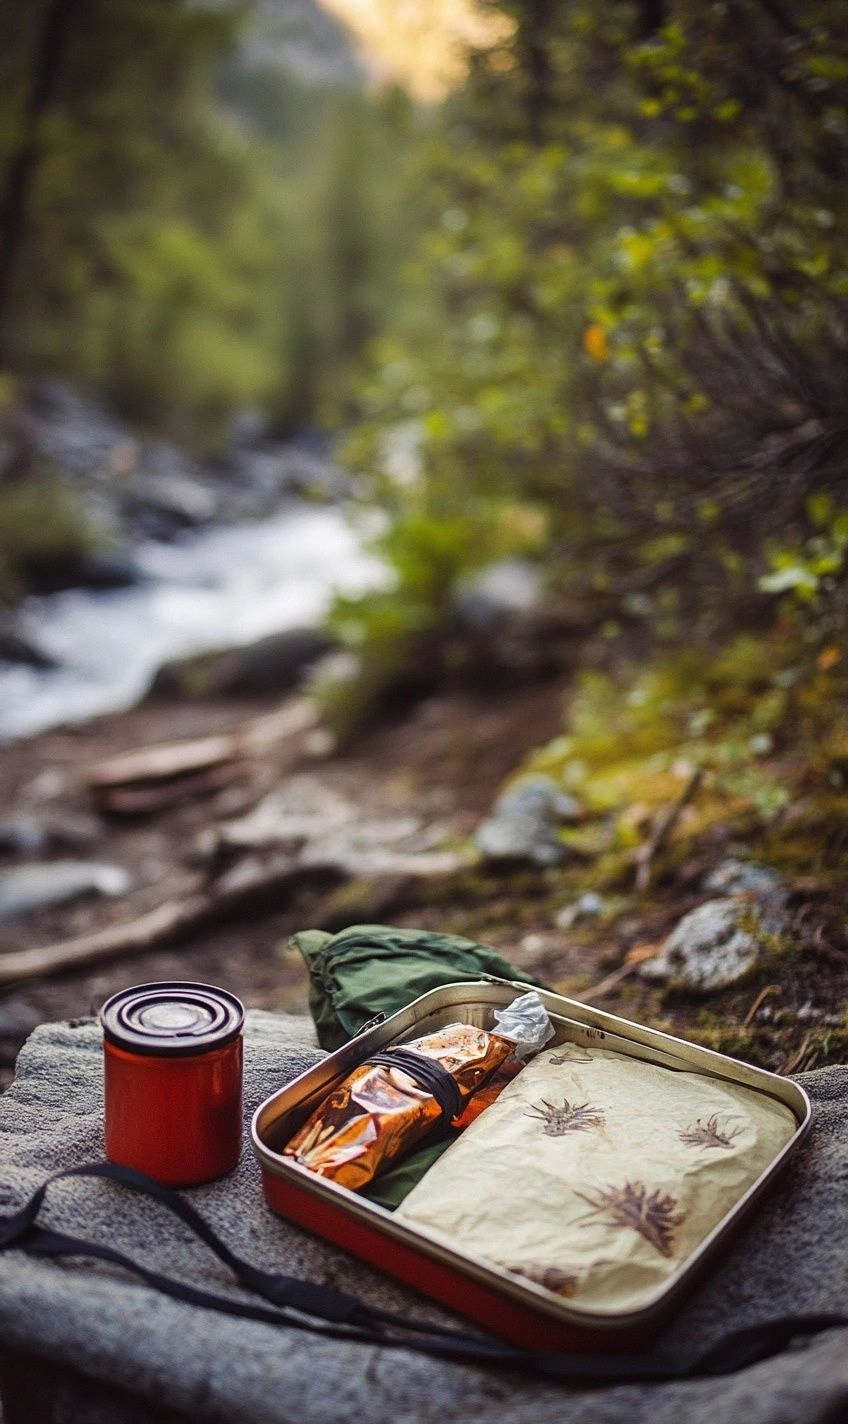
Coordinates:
[223,587]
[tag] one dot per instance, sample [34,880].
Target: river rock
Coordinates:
[711,947]
[273,664]
[22,835]
[26,834]
[74,435]
[163,504]
[274,471]
[16,647]
[81,568]
[24,888]
[524,823]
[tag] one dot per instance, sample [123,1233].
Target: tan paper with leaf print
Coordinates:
[596,1175]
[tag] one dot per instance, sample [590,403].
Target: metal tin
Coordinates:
[173,1080]
[510,1306]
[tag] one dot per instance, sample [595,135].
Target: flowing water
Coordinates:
[223,588]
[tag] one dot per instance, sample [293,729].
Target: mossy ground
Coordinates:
[756,732]
[624,741]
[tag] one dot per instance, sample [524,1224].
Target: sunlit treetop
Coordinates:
[420,44]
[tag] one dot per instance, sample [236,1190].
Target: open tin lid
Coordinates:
[171,1019]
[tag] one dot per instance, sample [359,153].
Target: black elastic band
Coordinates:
[343,1317]
[428,1073]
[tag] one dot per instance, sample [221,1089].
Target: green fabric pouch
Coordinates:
[366,970]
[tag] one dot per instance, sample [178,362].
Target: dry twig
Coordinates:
[662,829]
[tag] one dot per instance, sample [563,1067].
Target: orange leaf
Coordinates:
[828,658]
[640,952]
[595,343]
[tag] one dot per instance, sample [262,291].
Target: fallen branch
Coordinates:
[245,887]
[662,830]
[151,797]
[165,924]
[174,759]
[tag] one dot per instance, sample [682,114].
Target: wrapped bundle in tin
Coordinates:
[389,1103]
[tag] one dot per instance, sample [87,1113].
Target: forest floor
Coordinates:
[440,765]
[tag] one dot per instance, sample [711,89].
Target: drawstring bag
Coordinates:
[370,971]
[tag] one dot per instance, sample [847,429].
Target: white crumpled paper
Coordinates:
[596,1175]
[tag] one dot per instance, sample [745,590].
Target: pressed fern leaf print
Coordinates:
[569,1054]
[709,1134]
[560,1118]
[652,1214]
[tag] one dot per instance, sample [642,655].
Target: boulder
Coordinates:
[509,589]
[506,623]
[82,568]
[274,664]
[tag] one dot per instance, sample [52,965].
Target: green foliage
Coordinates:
[813,572]
[628,314]
[633,741]
[197,234]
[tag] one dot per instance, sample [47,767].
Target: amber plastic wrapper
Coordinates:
[379,1112]
[489,1094]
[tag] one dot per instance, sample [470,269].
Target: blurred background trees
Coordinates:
[590,307]
[188,224]
[625,333]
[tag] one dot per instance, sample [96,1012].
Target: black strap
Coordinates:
[322,1310]
[428,1073]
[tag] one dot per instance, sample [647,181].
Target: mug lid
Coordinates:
[171,1018]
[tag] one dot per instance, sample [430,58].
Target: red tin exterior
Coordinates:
[178,1119]
[490,1307]
[511,1309]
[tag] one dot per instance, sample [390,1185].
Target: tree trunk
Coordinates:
[45,70]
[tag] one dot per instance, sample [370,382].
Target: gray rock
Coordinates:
[22,835]
[273,664]
[82,568]
[248,427]
[17,647]
[113,1332]
[73,434]
[524,823]
[710,947]
[162,504]
[589,907]
[24,888]
[506,624]
[498,592]
[746,878]
[274,471]
[30,835]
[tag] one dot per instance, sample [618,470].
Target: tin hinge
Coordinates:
[372,1023]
